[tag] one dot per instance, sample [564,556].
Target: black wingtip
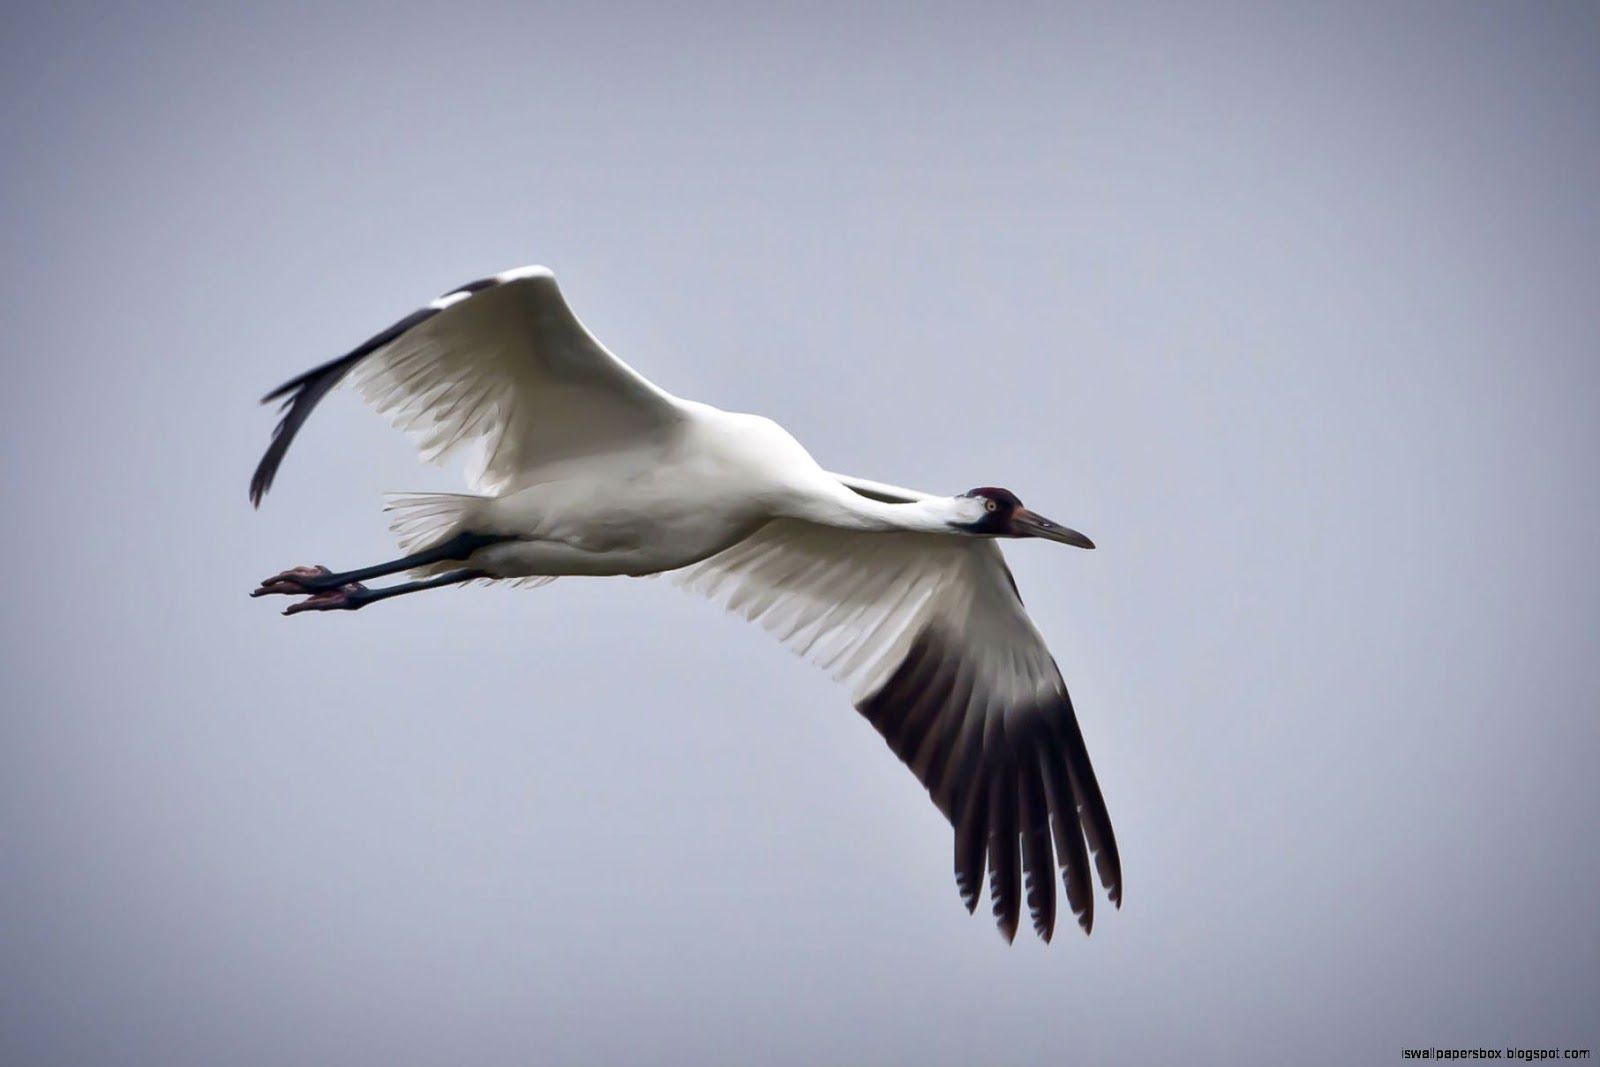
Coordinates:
[1007,910]
[1015,783]
[260,482]
[1107,864]
[261,479]
[302,394]
[1038,863]
[969,894]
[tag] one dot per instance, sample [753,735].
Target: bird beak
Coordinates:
[1027,523]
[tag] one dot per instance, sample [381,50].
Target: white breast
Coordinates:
[711,483]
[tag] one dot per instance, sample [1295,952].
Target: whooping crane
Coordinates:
[586,468]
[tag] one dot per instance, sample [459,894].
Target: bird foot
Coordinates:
[346,597]
[296,581]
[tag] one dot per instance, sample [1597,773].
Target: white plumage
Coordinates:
[581,466]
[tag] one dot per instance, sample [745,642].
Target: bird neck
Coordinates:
[850,511]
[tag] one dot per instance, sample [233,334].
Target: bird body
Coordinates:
[707,483]
[584,467]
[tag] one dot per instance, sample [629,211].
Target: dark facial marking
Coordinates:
[999,506]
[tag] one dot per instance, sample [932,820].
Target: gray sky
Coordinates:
[1292,310]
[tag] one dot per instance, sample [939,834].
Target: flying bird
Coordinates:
[580,466]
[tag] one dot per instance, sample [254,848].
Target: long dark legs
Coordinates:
[352,596]
[302,580]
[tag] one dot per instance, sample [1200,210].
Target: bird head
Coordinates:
[994,512]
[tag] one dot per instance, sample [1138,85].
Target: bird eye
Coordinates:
[989,505]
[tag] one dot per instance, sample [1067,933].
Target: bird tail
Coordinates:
[422,520]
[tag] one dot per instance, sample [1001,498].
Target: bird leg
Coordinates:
[353,595]
[299,581]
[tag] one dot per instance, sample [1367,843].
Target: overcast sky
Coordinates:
[1292,309]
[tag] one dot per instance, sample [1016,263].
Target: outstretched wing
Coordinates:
[945,663]
[500,362]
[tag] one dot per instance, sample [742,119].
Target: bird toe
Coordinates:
[347,597]
[296,581]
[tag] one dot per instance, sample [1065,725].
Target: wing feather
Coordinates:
[1004,877]
[501,363]
[944,663]
[1038,863]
